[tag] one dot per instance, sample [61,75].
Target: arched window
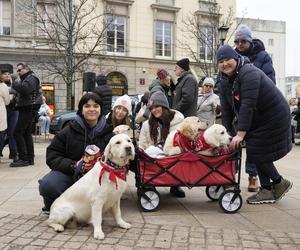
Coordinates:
[118,82]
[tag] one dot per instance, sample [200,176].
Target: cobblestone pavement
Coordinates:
[189,223]
[31,233]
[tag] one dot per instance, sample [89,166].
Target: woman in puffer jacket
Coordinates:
[68,146]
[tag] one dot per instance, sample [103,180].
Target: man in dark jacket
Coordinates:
[186,90]
[29,100]
[254,49]
[254,110]
[105,93]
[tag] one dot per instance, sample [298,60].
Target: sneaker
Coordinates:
[45,210]
[253,184]
[19,163]
[262,196]
[177,191]
[282,188]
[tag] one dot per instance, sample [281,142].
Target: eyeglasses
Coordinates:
[240,41]
[208,86]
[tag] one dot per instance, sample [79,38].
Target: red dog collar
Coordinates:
[113,173]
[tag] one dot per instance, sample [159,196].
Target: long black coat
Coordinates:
[105,93]
[261,110]
[186,95]
[68,146]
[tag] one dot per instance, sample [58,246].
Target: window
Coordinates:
[206,43]
[271,42]
[45,14]
[163,39]
[5,17]
[116,34]
[165,2]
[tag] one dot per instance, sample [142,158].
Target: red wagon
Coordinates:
[190,169]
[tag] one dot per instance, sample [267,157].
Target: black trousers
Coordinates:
[23,134]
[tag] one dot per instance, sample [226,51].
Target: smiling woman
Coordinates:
[88,128]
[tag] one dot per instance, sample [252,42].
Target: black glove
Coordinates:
[78,170]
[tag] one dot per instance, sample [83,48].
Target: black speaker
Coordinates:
[89,81]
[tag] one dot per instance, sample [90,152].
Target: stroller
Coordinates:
[219,174]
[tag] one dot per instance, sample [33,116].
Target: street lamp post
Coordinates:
[223,33]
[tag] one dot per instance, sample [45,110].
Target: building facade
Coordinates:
[291,84]
[273,35]
[145,35]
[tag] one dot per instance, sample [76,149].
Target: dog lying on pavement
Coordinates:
[97,191]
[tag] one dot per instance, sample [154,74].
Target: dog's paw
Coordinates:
[57,227]
[99,235]
[124,224]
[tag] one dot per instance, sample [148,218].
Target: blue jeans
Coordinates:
[250,168]
[2,138]
[45,124]
[12,119]
[52,185]
[266,173]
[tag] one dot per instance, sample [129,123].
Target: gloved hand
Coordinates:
[78,170]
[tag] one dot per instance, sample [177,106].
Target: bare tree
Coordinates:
[73,31]
[203,27]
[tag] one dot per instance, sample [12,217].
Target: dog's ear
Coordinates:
[188,132]
[107,152]
[215,137]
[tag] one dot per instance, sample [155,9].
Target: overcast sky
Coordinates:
[288,11]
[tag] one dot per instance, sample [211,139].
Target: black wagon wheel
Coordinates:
[148,200]
[214,192]
[230,201]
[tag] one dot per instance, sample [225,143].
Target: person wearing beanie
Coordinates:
[208,102]
[105,93]
[254,49]
[186,89]
[255,111]
[67,148]
[121,112]
[161,122]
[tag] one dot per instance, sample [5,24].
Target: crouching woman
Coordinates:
[88,128]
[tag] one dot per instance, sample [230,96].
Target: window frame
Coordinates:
[1,19]
[206,48]
[115,46]
[163,56]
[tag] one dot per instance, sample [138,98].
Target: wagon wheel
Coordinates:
[148,200]
[214,192]
[230,201]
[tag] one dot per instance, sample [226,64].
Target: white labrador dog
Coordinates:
[88,198]
[212,139]
[123,129]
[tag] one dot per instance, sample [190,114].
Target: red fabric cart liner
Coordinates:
[188,167]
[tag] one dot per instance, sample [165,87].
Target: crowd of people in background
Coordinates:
[253,110]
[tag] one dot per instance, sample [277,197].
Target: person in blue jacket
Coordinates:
[255,50]
[254,110]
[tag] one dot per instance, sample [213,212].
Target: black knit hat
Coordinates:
[226,52]
[101,80]
[158,99]
[6,68]
[184,64]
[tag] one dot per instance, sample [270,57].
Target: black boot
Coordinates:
[13,155]
[177,191]
[19,163]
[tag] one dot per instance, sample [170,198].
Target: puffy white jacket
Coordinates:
[145,139]
[4,100]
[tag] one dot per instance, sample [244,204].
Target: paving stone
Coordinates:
[110,241]
[126,242]
[265,245]
[283,240]
[55,243]
[89,246]
[32,248]
[265,239]
[214,247]
[22,241]
[162,244]
[39,242]
[144,243]
[72,245]
[250,244]
[288,247]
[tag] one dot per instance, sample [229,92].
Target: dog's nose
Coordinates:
[128,150]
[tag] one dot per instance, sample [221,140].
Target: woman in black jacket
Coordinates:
[88,128]
[254,110]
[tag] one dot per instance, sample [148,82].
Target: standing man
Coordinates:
[105,92]
[254,49]
[29,100]
[186,90]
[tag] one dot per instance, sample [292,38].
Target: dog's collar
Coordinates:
[200,143]
[181,141]
[120,172]
[111,164]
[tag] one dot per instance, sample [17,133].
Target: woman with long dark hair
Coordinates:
[162,120]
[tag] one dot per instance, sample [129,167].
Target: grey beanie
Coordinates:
[158,99]
[243,32]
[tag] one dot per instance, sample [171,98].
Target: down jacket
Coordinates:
[261,111]
[105,93]
[260,58]
[4,100]
[186,95]
[68,146]
[144,137]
